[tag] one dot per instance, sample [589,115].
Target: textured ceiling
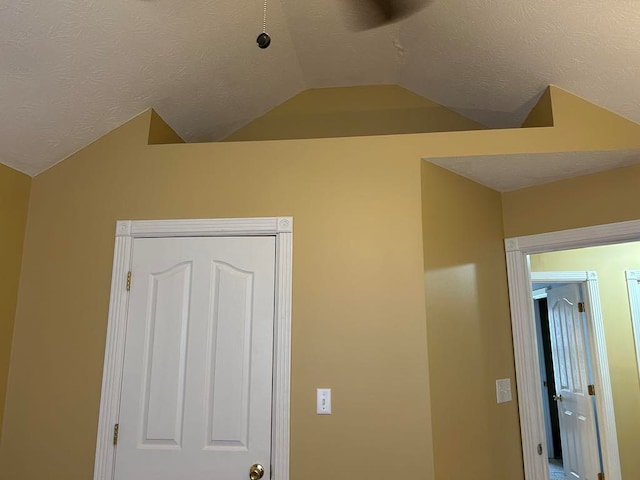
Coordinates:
[74,69]
[505,173]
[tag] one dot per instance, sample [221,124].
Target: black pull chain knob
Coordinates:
[263,40]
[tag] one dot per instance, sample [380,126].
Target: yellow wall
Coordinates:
[596,199]
[541,115]
[14,202]
[160,132]
[468,327]
[352,111]
[358,304]
[610,262]
[362,206]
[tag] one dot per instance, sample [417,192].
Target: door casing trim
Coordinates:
[126,232]
[525,343]
[633,288]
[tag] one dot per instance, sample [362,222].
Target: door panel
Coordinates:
[197,380]
[165,360]
[228,395]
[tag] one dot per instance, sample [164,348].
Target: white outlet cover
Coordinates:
[503,390]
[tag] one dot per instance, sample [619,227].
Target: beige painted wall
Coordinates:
[358,303]
[14,203]
[469,330]
[595,199]
[352,111]
[359,288]
[610,262]
[160,132]
[541,115]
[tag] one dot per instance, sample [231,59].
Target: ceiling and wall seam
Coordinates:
[76,69]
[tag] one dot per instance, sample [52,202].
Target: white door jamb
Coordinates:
[126,231]
[633,286]
[525,343]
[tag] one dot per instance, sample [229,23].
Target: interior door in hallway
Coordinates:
[197,380]
[569,343]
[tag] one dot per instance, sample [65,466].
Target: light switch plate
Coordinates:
[323,402]
[503,390]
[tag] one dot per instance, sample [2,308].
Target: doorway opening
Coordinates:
[551,420]
[519,252]
[239,284]
[564,322]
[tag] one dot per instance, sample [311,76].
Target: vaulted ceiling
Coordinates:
[74,69]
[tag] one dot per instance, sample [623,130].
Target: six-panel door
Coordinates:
[569,344]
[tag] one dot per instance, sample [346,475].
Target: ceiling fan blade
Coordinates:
[375,13]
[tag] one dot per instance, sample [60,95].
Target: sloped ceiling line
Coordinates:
[74,69]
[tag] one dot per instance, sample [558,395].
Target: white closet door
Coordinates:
[197,380]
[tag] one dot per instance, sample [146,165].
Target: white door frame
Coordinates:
[633,287]
[599,361]
[525,343]
[126,231]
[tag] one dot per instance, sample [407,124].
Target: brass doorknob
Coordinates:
[256,471]
[557,398]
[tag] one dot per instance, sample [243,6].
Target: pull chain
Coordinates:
[264,18]
[264,40]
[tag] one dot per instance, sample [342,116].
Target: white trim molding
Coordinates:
[126,231]
[633,286]
[525,345]
[576,238]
